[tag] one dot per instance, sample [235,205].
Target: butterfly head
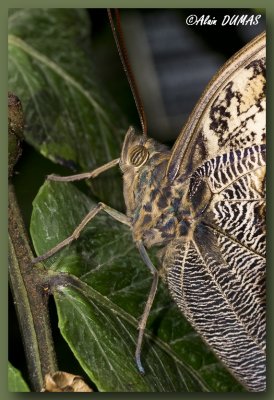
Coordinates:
[134,153]
[140,156]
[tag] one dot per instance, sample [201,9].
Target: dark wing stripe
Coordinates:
[241,220]
[237,205]
[227,168]
[248,271]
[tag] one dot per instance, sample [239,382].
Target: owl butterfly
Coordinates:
[203,202]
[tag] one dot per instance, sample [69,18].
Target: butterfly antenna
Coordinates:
[115,23]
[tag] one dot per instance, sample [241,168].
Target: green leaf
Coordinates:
[69,117]
[98,310]
[15,380]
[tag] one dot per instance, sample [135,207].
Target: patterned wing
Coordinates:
[216,270]
[208,292]
[229,115]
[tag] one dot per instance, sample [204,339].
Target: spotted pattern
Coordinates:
[236,117]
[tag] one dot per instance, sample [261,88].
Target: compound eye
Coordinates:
[138,155]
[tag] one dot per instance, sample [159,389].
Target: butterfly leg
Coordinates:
[85,175]
[115,214]
[153,290]
[100,206]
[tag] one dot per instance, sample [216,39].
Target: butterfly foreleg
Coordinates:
[101,206]
[85,175]
[93,212]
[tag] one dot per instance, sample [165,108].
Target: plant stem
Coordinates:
[30,299]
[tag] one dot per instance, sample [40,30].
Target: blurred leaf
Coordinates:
[15,381]
[69,117]
[98,309]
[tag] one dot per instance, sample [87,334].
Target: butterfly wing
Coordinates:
[216,274]
[229,115]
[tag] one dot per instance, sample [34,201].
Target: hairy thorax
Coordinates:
[155,207]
